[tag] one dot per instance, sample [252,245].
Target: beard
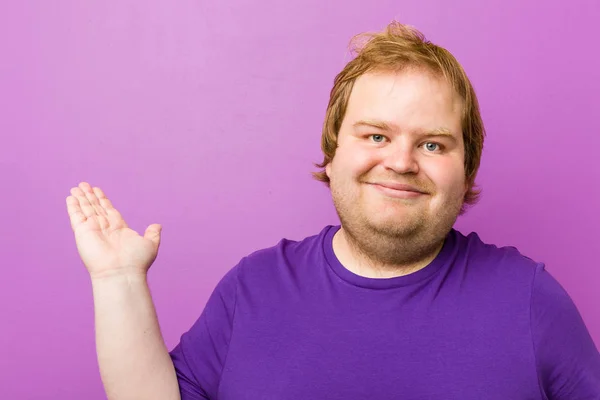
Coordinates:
[403,233]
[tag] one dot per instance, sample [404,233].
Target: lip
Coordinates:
[398,190]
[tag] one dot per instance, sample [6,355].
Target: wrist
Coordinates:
[127,274]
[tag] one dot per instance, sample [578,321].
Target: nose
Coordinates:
[401,159]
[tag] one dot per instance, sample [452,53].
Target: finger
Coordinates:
[153,233]
[84,204]
[100,195]
[91,197]
[76,216]
[103,200]
[107,205]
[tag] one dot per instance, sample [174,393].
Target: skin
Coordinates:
[133,359]
[400,128]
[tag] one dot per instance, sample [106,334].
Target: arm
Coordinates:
[134,362]
[567,359]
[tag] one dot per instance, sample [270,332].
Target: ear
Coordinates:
[328,170]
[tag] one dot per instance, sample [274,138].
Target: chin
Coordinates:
[399,214]
[398,226]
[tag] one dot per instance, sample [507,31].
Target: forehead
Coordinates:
[412,100]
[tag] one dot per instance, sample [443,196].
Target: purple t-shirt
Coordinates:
[479,322]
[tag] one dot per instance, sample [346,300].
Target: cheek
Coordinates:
[448,177]
[355,161]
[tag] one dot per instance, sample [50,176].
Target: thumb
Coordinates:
[153,233]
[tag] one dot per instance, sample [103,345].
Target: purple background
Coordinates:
[205,116]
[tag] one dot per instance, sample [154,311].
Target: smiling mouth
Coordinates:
[398,190]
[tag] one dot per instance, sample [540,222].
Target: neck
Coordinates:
[390,258]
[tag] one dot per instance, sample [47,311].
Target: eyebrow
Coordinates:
[438,132]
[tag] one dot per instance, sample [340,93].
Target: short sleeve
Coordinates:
[567,358]
[200,355]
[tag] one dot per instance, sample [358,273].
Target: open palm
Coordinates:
[105,243]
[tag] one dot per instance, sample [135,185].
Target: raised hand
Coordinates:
[105,243]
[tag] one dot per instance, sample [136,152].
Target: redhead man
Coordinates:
[393,303]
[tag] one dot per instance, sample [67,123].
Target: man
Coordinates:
[392,304]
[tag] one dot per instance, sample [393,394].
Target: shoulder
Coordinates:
[507,258]
[550,301]
[501,269]
[284,255]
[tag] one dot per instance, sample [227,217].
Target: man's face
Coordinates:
[399,166]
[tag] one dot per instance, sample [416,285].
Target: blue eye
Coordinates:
[378,138]
[430,146]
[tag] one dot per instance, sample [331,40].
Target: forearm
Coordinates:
[133,359]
